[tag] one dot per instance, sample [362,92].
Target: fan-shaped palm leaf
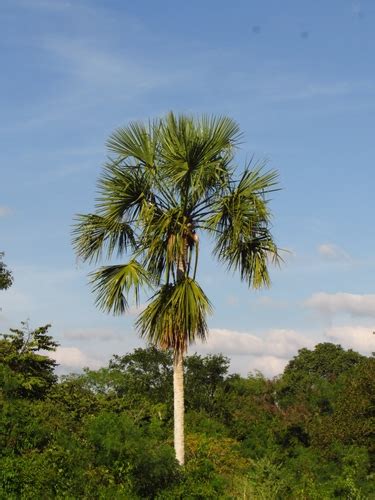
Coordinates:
[123,191]
[196,154]
[137,142]
[113,284]
[93,234]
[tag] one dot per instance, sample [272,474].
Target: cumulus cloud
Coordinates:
[269,366]
[73,358]
[359,338]
[4,211]
[268,353]
[329,251]
[335,303]
[280,343]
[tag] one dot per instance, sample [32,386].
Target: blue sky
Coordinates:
[299,78]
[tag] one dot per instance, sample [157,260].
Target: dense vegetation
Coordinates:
[109,433]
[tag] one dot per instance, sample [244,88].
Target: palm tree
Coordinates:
[169,181]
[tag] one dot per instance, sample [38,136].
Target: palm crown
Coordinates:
[170,181]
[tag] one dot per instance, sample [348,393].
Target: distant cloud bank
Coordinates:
[278,342]
[268,353]
[359,338]
[335,303]
[72,358]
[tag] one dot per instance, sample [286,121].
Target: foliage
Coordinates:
[108,433]
[326,360]
[6,276]
[22,366]
[204,379]
[169,181]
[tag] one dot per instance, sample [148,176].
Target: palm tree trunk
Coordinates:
[179,407]
[178,378]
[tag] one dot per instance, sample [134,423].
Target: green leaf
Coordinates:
[113,284]
[94,233]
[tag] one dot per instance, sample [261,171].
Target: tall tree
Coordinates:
[169,181]
[26,370]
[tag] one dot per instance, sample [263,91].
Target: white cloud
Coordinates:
[268,353]
[278,342]
[232,342]
[335,303]
[331,251]
[72,357]
[270,366]
[4,211]
[359,338]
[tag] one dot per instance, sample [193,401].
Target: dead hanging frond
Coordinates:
[176,315]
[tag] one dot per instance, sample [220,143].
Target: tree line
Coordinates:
[108,433]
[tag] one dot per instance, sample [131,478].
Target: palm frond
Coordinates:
[243,203]
[250,256]
[94,235]
[123,191]
[136,141]
[196,153]
[239,223]
[162,242]
[176,315]
[113,284]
